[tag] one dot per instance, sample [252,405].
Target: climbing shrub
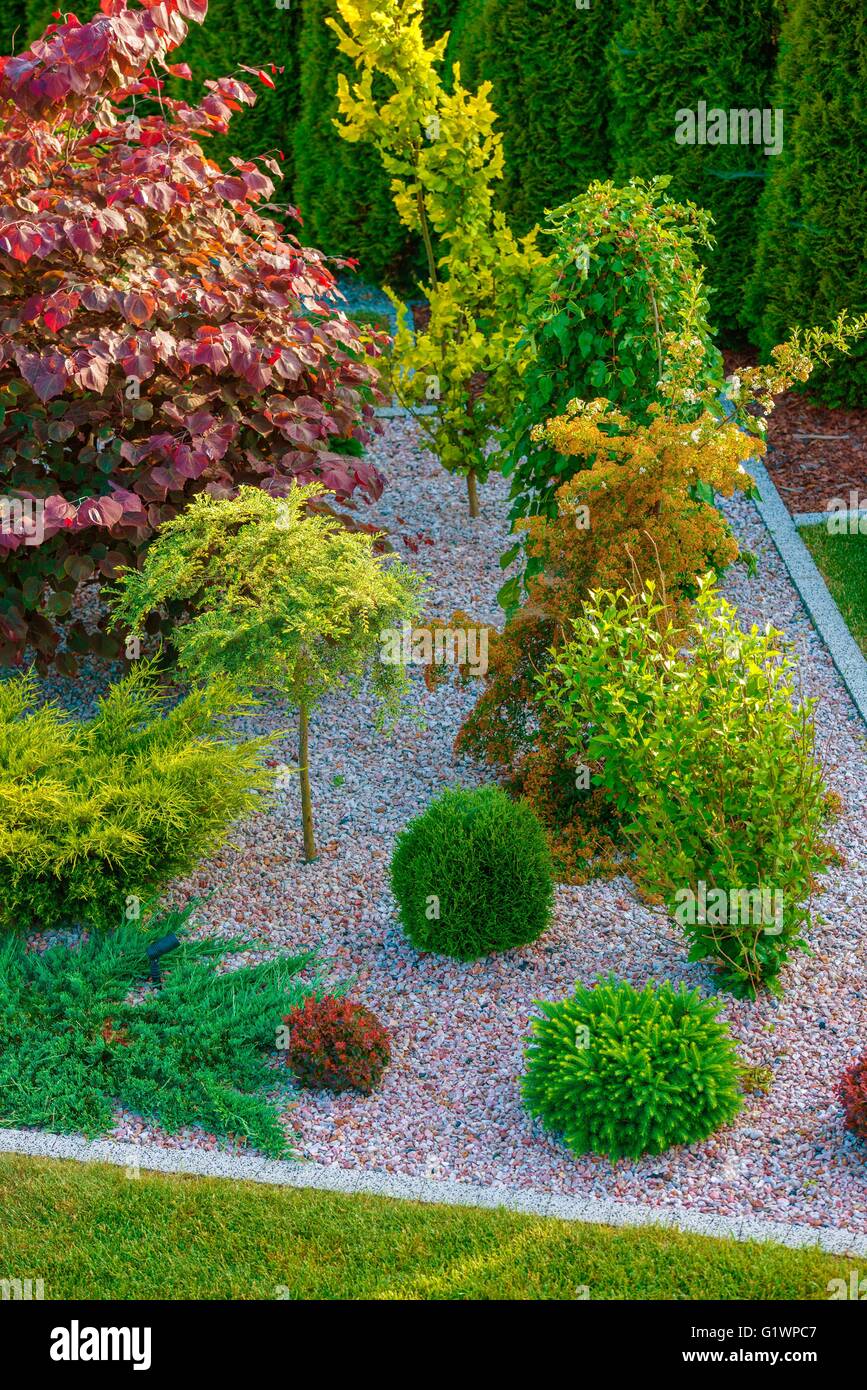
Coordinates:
[625,284]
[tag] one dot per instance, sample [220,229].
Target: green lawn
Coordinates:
[842,561]
[90,1231]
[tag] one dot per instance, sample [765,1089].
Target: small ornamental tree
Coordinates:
[277,598]
[445,158]
[159,336]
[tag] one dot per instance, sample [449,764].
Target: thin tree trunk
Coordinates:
[304,770]
[472,492]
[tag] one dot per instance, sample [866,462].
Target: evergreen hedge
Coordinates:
[811,259]
[666,56]
[545,59]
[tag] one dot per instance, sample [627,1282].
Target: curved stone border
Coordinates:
[332,1178]
[826,616]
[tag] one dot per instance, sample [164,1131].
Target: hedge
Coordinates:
[812,251]
[666,56]
[544,58]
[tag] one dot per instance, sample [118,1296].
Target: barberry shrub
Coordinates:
[709,759]
[852,1094]
[160,337]
[622,1072]
[472,874]
[279,598]
[99,815]
[336,1045]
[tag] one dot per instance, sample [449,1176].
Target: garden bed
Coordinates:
[450,1105]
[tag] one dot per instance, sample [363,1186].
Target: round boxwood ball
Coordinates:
[472,874]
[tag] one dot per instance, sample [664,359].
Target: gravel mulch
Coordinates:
[815,454]
[450,1105]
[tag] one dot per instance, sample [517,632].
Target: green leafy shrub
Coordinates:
[810,261]
[93,812]
[626,282]
[472,874]
[336,1045]
[191,1052]
[665,57]
[620,1072]
[276,597]
[709,757]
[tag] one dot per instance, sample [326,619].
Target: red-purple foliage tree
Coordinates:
[158,334]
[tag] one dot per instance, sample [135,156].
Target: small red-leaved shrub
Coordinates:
[852,1091]
[158,335]
[336,1045]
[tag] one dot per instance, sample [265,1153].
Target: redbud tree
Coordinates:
[161,333]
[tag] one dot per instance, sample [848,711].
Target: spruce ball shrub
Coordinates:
[336,1045]
[620,1072]
[852,1093]
[472,874]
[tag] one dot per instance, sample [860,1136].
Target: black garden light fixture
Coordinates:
[158,949]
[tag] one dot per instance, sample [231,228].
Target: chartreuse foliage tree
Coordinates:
[710,761]
[75,1041]
[277,598]
[812,253]
[159,335]
[667,56]
[342,192]
[544,58]
[444,158]
[96,814]
[623,1072]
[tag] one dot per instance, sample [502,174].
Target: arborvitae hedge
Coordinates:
[341,188]
[13,26]
[546,61]
[669,55]
[812,254]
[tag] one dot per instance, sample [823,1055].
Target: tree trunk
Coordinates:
[304,770]
[472,492]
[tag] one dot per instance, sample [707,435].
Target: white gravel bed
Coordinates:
[449,1106]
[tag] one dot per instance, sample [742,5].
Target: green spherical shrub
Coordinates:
[620,1072]
[472,874]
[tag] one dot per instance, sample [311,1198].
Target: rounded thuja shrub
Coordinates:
[472,874]
[623,1072]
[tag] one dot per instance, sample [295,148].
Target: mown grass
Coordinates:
[91,1231]
[842,562]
